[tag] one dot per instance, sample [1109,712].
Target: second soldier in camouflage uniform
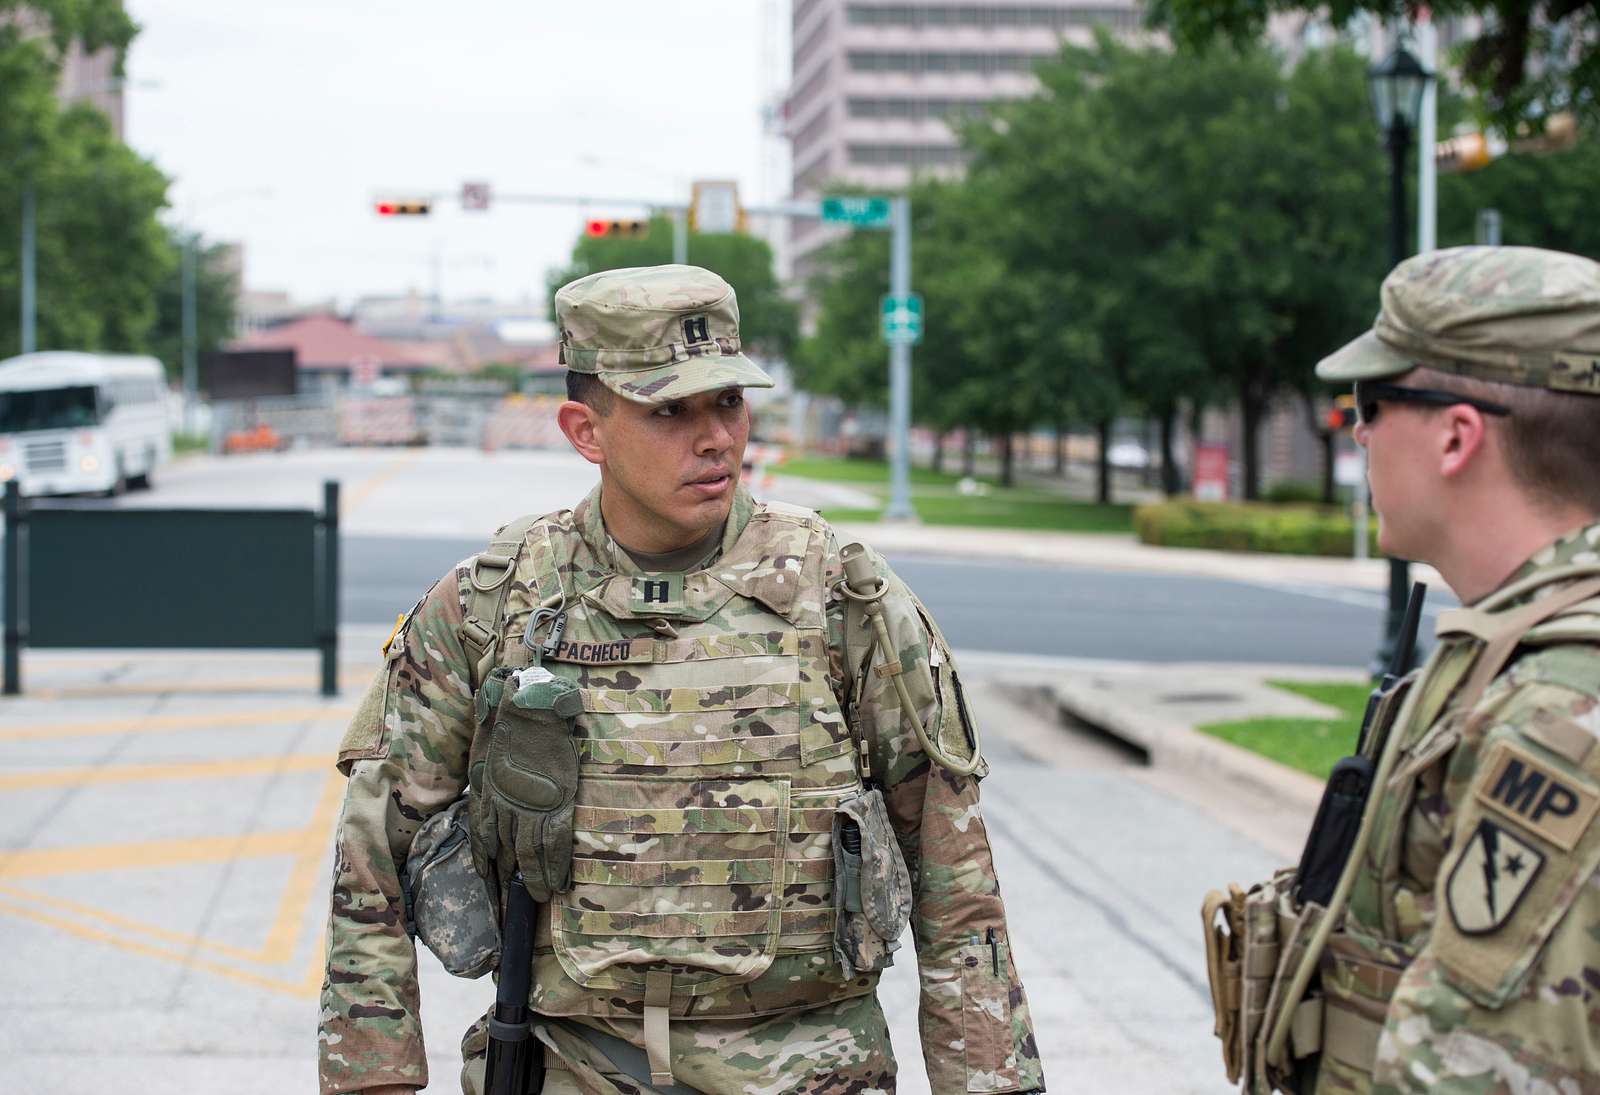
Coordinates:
[1461,949]
[735,712]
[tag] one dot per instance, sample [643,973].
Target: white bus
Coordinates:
[74,423]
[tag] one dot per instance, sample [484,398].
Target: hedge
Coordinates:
[1249,526]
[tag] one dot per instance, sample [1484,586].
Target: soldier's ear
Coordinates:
[1461,435]
[579,421]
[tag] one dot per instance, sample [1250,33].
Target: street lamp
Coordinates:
[1397,84]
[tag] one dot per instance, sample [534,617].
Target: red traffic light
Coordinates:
[1342,414]
[617,229]
[393,208]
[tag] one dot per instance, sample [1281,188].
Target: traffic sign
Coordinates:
[900,319]
[714,207]
[475,197]
[860,210]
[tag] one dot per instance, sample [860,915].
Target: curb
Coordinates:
[1170,744]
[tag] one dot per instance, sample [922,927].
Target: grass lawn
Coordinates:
[934,496]
[190,442]
[1311,745]
[837,469]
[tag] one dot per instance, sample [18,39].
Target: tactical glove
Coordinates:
[523,796]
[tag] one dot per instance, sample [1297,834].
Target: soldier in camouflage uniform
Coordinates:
[1460,951]
[736,716]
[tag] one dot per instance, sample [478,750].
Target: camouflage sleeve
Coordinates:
[406,756]
[976,1031]
[1501,997]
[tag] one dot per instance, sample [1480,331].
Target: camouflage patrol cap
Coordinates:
[653,334]
[1518,315]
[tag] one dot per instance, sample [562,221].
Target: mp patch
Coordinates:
[1495,870]
[658,593]
[1520,786]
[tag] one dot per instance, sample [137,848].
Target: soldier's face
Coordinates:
[1403,479]
[670,470]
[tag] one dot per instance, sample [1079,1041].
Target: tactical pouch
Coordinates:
[523,790]
[871,886]
[448,905]
[1223,918]
[1291,931]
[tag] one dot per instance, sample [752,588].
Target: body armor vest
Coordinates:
[1390,914]
[713,754]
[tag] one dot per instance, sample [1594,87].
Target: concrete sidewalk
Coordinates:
[1113,551]
[1156,709]
[165,848]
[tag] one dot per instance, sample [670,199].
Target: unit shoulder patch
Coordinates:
[1495,871]
[1530,792]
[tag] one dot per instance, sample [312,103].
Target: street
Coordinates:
[409,515]
[167,817]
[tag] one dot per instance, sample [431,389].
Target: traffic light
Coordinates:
[415,207]
[1467,152]
[618,230]
[1342,415]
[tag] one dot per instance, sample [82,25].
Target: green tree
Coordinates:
[101,254]
[1544,201]
[1530,57]
[1212,251]
[768,321]
[216,294]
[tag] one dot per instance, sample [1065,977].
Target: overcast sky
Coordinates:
[318,106]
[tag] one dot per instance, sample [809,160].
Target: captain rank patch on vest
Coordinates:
[657,593]
[1492,875]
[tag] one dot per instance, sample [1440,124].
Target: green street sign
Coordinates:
[864,212]
[900,319]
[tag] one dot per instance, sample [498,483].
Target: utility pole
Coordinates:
[30,340]
[191,369]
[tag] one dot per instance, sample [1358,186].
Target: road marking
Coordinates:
[370,485]
[176,722]
[308,846]
[296,682]
[138,854]
[135,773]
[308,987]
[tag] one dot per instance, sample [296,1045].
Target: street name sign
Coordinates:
[900,319]
[856,209]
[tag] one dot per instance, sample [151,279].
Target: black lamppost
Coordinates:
[1397,84]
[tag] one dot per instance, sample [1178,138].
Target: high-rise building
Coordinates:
[85,77]
[875,86]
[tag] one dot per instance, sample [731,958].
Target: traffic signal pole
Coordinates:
[899,507]
[899,504]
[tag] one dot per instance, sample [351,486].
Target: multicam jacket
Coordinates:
[1469,957]
[408,760]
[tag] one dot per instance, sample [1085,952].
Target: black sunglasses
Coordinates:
[1369,395]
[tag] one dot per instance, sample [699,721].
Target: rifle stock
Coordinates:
[515,1061]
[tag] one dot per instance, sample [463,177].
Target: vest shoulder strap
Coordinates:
[1503,633]
[483,594]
